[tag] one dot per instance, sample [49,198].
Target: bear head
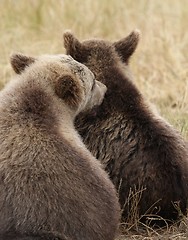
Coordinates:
[66,78]
[100,55]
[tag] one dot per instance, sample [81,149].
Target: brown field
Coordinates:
[160,64]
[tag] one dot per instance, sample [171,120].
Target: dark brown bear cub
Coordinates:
[51,185]
[141,152]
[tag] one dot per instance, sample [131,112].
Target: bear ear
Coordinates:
[19,62]
[67,89]
[126,46]
[73,46]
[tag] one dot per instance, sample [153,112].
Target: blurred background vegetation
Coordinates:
[160,64]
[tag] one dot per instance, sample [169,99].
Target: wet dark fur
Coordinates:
[50,190]
[138,149]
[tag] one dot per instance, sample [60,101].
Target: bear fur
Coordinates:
[146,158]
[51,185]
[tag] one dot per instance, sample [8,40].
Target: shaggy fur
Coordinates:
[51,185]
[141,152]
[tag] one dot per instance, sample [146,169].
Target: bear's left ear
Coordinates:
[19,62]
[127,46]
[66,87]
[73,46]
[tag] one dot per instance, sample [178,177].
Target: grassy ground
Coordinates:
[160,65]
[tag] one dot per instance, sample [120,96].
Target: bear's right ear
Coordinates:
[67,89]
[73,46]
[19,62]
[127,46]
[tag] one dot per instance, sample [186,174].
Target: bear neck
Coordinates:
[34,101]
[122,95]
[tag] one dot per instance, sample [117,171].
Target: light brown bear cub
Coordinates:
[51,185]
[138,148]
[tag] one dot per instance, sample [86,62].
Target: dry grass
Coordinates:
[134,228]
[160,64]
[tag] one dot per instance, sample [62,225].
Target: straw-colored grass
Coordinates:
[160,65]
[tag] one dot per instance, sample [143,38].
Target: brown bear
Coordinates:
[143,154]
[51,185]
